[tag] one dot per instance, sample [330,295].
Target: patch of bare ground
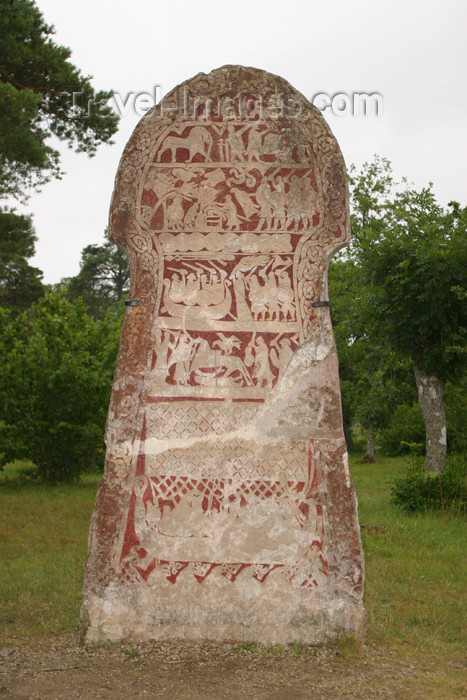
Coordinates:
[57,668]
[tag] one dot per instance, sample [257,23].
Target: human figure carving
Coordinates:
[163,345]
[182,351]
[285,295]
[229,211]
[258,297]
[258,355]
[175,213]
[246,203]
[235,142]
[309,202]
[281,354]
[294,203]
[278,199]
[270,291]
[263,197]
[255,144]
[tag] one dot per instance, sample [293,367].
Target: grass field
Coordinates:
[415,590]
[43,534]
[415,564]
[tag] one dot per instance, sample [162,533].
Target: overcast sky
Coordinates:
[412,52]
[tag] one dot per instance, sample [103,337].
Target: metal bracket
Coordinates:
[131,302]
[321,303]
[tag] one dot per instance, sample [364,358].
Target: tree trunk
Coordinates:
[370,447]
[431,399]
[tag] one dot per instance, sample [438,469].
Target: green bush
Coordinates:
[421,491]
[456,413]
[405,428]
[55,380]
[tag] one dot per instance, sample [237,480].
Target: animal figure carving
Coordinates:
[220,368]
[198,142]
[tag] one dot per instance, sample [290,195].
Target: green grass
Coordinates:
[43,535]
[415,567]
[415,564]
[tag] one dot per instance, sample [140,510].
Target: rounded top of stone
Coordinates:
[237,78]
[237,130]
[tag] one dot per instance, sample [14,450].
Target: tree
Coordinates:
[413,257]
[103,278]
[37,82]
[416,271]
[374,377]
[55,381]
[20,283]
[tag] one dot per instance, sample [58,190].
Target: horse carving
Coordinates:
[198,142]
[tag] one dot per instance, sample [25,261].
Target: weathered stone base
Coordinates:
[264,613]
[287,566]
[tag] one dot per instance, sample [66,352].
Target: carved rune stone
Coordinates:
[227,510]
